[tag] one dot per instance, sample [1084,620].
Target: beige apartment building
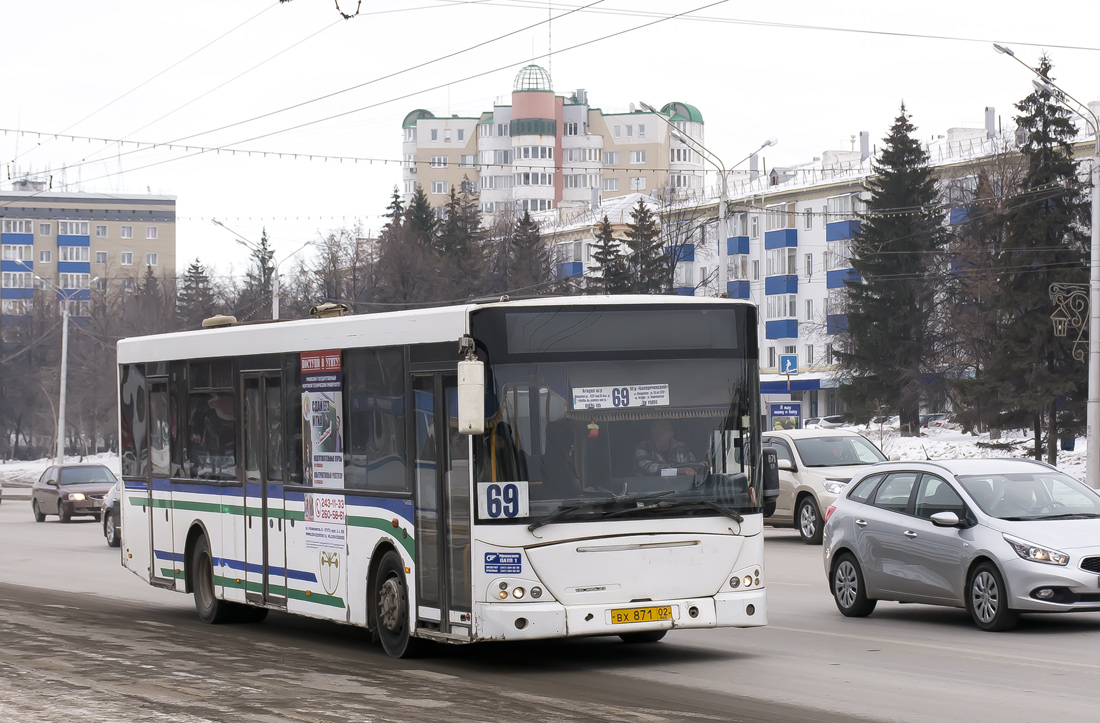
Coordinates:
[547,152]
[71,239]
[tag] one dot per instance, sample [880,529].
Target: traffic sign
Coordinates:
[788,364]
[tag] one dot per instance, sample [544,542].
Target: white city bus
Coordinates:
[475,472]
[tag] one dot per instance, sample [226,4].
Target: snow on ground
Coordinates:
[946,443]
[24,473]
[942,443]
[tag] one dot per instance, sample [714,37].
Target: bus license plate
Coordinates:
[641,615]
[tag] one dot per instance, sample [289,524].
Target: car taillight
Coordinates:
[829,512]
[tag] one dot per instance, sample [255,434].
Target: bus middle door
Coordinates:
[265,533]
[442,476]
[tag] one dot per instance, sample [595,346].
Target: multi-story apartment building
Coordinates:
[69,239]
[546,152]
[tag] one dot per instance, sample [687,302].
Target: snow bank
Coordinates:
[18,473]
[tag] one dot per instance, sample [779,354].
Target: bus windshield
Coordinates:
[614,431]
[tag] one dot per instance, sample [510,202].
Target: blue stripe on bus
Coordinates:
[136,486]
[400,507]
[239,565]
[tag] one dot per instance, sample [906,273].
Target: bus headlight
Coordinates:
[518,592]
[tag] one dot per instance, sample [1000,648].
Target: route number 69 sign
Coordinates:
[502,500]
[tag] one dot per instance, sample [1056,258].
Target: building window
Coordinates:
[637,156]
[73,281]
[781,261]
[128,285]
[44,229]
[435,134]
[410,186]
[101,285]
[837,255]
[641,131]
[72,253]
[809,354]
[611,158]
[72,228]
[682,275]
[809,309]
[789,350]
[16,307]
[771,357]
[571,129]
[18,226]
[809,266]
[782,306]
[439,161]
[410,134]
[680,155]
[737,267]
[101,232]
[755,270]
[637,183]
[18,252]
[461,133]
[150,259]
[44,257]
[127,258]
[630,131]
[754,227]
[808,219]
[17,279]
[439,187]
[151,233]
[467,161]
[126,231]
[618,131]
[101,257]
[611,184]
[446,135]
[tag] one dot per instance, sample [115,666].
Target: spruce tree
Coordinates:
[610,265]
[459,247]
[645,263]
[1045,245]
[196,297]
[531,267]
[419,219]
[892,325]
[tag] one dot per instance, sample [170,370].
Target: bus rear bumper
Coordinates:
[533,621]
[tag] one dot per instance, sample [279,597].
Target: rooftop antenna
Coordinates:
[549,39]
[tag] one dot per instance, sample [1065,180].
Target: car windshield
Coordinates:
[837,451]
[86,475]
[1032,495]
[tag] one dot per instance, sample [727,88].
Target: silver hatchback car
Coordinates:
[995,536]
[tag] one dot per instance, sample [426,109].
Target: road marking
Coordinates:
[966,652]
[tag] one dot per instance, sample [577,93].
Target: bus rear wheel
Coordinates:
[211,610]
[391,598]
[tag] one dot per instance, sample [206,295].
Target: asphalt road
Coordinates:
[82,639]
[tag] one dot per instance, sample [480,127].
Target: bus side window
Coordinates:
[292,408]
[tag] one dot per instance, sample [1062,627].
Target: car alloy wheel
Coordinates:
[848,590]
[809,521]
[845,584]
[985,597]
[987,600]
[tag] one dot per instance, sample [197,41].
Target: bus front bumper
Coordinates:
[538,620]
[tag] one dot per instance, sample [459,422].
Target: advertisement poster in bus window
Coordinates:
[322,409]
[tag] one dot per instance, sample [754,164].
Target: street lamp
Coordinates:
[1092,416]
[255,248]
[64,371]
[723,171]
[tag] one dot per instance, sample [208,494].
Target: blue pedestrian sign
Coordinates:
[788,364]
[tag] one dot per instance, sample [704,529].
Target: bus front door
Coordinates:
[442,475]
[265,533]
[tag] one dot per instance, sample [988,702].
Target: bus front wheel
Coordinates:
[211,610]
[391,597]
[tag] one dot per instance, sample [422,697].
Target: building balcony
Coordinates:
[781,329]
[835,279]
[782,238]
[570,270]
[737,289]
[841,230]
[836,323]
[737,245]
[786,284]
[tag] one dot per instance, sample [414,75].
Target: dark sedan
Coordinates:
[71,490]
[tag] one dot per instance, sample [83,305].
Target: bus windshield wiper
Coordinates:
[565,511]
[674,504]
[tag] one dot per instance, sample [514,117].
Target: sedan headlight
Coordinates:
[76,496]
[1035,553]
[835,486]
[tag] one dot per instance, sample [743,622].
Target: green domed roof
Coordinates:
[682,111]
[413,117]
[532,77]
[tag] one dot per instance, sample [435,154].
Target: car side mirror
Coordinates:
[894,457]
[771,475]
[946,519]
[786,465]
[51,483]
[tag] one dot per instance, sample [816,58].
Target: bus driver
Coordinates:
[662,454]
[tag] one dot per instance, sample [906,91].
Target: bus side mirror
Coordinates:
[471,397]
[771,475]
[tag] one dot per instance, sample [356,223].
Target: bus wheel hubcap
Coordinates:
[391,604]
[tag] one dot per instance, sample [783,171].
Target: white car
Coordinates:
[814,467]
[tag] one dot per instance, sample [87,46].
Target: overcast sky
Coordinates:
[156,72]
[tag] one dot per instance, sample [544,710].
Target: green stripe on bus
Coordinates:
[171,574]
[314,597]
[257,587]
[387,527]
